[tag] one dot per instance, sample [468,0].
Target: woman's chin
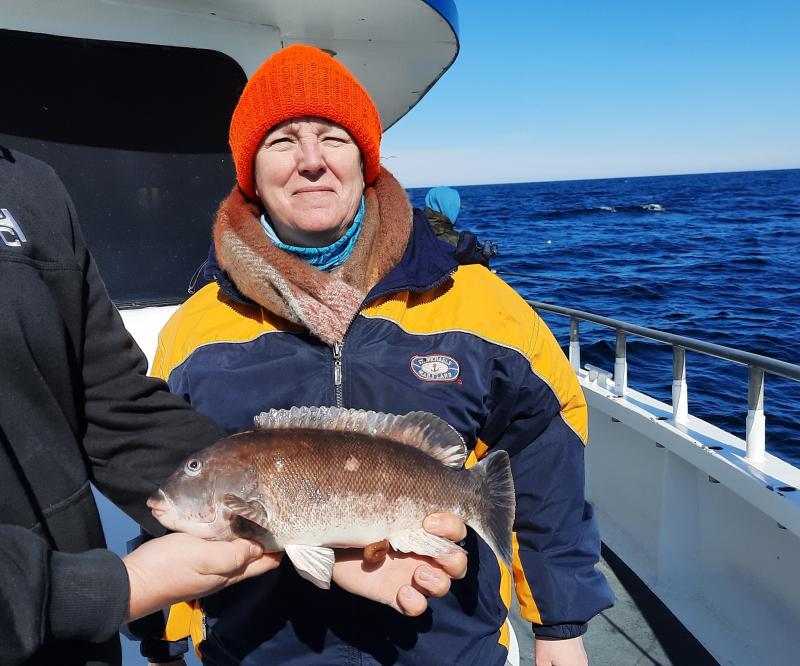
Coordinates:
[320,234]
[311,226]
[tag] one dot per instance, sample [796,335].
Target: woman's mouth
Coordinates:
[314,190]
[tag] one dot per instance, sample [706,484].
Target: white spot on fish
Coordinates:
[352,464]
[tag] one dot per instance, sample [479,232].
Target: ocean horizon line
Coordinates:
[604,178]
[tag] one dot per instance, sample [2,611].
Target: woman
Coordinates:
[330,291]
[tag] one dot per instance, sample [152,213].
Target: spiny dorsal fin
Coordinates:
[422,430]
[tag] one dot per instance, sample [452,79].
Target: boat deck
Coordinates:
[638,631]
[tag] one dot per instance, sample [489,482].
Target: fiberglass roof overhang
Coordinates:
[397,48]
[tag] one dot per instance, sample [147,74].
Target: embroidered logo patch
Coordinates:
[437,368]
[10,232]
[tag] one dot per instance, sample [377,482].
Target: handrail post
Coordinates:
[756,423]
[680,390]
[574,344]
[621,365]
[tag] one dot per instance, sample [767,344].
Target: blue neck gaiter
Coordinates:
[323,258]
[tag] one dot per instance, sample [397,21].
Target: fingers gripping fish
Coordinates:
[311,479]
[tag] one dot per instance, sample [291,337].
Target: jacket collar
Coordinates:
[426,263]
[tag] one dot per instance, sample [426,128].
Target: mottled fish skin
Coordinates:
[312,479]
[341,489]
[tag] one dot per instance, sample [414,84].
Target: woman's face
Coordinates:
[309,177]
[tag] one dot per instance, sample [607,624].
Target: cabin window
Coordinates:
[139,135]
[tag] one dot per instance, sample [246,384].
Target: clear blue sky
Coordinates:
[568,89]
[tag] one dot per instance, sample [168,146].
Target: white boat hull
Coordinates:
[701,527]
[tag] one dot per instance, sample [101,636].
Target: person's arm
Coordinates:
[178,567]
[402,581]
[48,596]
[542,423]
[135,431]
[561,652]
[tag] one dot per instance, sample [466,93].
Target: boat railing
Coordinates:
[757,366]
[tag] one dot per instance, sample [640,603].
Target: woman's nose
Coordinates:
[310,159]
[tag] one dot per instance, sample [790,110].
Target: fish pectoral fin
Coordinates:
[247,529]
[314,563]
[253,510]
[423,543]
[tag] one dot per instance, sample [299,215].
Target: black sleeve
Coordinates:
[136,431]
[48,596]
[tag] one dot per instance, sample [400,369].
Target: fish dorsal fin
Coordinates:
[421,430]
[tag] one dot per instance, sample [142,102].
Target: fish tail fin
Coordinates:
[495,515]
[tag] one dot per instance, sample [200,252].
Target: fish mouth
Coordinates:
[159,503]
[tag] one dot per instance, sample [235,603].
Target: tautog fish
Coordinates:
[311,479]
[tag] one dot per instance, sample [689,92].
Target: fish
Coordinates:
[308,480]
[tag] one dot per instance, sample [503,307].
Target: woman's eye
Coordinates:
[279,140]
[334,139]
[193,467]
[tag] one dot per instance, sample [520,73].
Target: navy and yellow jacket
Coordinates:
[434,336]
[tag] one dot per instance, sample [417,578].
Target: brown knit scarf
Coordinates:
[324,302]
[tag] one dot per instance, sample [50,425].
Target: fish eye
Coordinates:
[193,467]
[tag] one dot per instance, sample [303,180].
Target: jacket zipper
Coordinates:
[338,347]
[337,371]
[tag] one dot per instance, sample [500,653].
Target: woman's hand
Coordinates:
[177,567]
[567,652]
[405,580]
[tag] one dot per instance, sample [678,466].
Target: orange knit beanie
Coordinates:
[298,81]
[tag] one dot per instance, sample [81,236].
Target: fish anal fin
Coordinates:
[423,543]
[314,563]
[421,430]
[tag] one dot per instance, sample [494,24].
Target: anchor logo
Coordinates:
[435,368]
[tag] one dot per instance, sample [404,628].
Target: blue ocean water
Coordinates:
[710,256]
